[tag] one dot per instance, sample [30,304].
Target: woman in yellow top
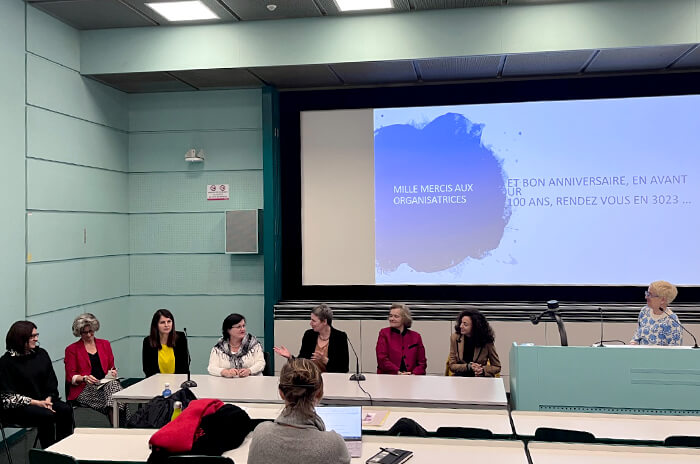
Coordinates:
[164,350]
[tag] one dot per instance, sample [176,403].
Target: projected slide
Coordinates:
[573,192]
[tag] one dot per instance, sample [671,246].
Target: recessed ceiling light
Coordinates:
[182,11]
[356,5]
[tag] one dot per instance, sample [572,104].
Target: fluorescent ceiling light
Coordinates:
[356,5]
[182,11]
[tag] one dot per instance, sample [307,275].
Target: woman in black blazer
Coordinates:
[162,345]
[325,346]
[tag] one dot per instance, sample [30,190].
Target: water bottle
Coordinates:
[177,409]
[166,391]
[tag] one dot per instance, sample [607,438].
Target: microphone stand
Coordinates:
[189,383]
[600,345]
[357,376]
[553,310]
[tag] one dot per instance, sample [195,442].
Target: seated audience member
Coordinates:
[323,344]
[90,366]
[472,350]
[237,353]
[164,350]
[656,324]
[298,435]
[29,388]
[399,349]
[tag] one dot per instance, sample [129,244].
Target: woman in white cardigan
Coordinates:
[237,353]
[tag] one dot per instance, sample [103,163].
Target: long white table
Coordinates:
[131,445]
[495,420]
[608,426]
[385,390]
[558,453]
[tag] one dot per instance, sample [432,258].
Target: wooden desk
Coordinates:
[417,390]
[495,420]
[558,453]
[608,426]
[386,390]
[131,445]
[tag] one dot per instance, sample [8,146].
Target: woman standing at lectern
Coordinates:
[472,350]
[656,324]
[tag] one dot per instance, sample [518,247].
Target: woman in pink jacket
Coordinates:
[399,349]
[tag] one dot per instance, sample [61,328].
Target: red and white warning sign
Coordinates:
[217,192]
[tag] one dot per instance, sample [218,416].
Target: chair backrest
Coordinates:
[269,371]
[38,456]
[463,432]
[683,440]
[571,436]
[199,459]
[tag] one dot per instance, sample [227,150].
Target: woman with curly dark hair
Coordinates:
[472,350]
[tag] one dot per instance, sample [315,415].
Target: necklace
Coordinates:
[324,339]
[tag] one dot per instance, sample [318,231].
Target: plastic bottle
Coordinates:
[166,391]
[177,409]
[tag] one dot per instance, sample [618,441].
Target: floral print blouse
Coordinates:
[663,331]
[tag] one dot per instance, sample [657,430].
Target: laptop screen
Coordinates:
[345,420]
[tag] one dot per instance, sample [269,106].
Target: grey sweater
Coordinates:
[294,439]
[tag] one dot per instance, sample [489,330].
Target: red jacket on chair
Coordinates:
[77,362]
[392,346]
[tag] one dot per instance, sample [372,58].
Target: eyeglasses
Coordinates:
[88,331]
[648,294]
[36,335]
[238,326]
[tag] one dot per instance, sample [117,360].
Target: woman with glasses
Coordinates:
[91,375]
[164,351]
[656,324]
[29,388]
[399,349]
[472,350]
[237,353]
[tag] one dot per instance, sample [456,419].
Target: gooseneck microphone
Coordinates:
[357,375]
[663,310]
[189,383]
[601,327]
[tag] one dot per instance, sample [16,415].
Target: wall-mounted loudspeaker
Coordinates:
[244,231]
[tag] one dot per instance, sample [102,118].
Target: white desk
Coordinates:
[417,390]
[608,426]
[386,390]
[495,420]
[132,445]
[558,453]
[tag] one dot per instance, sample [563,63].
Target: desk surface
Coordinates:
[132,445]
[557,453]
[608,426]
[431,391]
[495,420]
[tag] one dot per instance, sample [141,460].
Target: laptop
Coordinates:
[347,422]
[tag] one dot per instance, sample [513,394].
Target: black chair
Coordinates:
[463,432]
[565,435]
[689,441]
[199,459]
[268,371]
[3,426]
[37,456]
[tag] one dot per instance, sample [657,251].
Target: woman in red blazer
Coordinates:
[399,349]
[90,371]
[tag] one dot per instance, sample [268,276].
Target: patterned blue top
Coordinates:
[663,331]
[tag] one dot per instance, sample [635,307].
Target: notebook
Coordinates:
[347,422]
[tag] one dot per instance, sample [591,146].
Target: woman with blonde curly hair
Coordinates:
[298,435]
[90,366]
[657,324]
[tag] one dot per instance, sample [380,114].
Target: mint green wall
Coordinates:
[77,224]
[419,34]
[176,235]
[12,173]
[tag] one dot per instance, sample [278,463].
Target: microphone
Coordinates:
[536,319]
[601,327]
[189,383]
[663,310]
[357,375]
